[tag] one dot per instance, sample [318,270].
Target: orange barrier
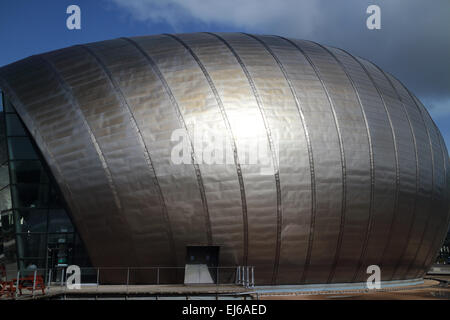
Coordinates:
[8,288]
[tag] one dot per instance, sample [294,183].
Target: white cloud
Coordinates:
[440,109]
[246,14]
[413,42]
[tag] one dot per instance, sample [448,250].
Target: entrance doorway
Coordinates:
[201,264]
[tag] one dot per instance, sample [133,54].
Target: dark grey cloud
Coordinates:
[413,43]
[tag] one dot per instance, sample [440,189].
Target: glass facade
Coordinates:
[36,231]
[444,252]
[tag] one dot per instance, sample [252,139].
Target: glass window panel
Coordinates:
[62,245]
[79,256]
[7,223]
[28,171]
[2,124]
[7,105]
[30,195]
[14,126]
[31,220]
[3,150]
[60,238]
[31,264]
[55,200]
[5,198]
[10,258]
[59,221]
[4,175]
[21,148]
[33,245]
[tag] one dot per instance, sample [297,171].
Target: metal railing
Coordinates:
[27,283]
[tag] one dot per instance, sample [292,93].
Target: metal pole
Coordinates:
[247,281]
[157,275]
[17,283]
[62,277]
[65,284]
[240,275]
[237,276]
[128,278]
[34,282]
[98,276]
[253,277]
[218,275]
[49,277]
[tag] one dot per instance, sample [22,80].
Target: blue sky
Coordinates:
[413,43]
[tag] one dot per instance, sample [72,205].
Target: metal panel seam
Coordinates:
[305,128]
[445,175]
[124,103]
[91,135]
[417,168]
[271,146]
[174,103]
[435,237]
[341,147]
[397,170]
[232,139]
[371,159]
[13,96]
[432,186]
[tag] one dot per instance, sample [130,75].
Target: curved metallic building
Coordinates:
[359,173]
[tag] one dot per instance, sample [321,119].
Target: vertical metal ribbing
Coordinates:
[397,173]
[371,160]
[447,185]
[124,103]
[303,122]
[71,97]
[271,146]
[233,143]
[417,175]
[432,186]
[12,96]
[446,168]
[341,147]
[408,236]
[174,103]
[73,102]
[445,158]
[435,237]
[445,175]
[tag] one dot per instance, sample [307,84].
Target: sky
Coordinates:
[413,43]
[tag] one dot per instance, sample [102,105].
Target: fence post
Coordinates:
[128,278]
[65,284]
[248,276]
[98,275]
[49,278]
[218,275]
[34,283]
[17,283]
[253,277]
[62,277]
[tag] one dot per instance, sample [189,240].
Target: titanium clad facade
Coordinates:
[350,169]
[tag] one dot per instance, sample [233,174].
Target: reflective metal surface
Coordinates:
[359,173]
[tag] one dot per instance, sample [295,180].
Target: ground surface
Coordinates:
[429,290]
[434,288]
